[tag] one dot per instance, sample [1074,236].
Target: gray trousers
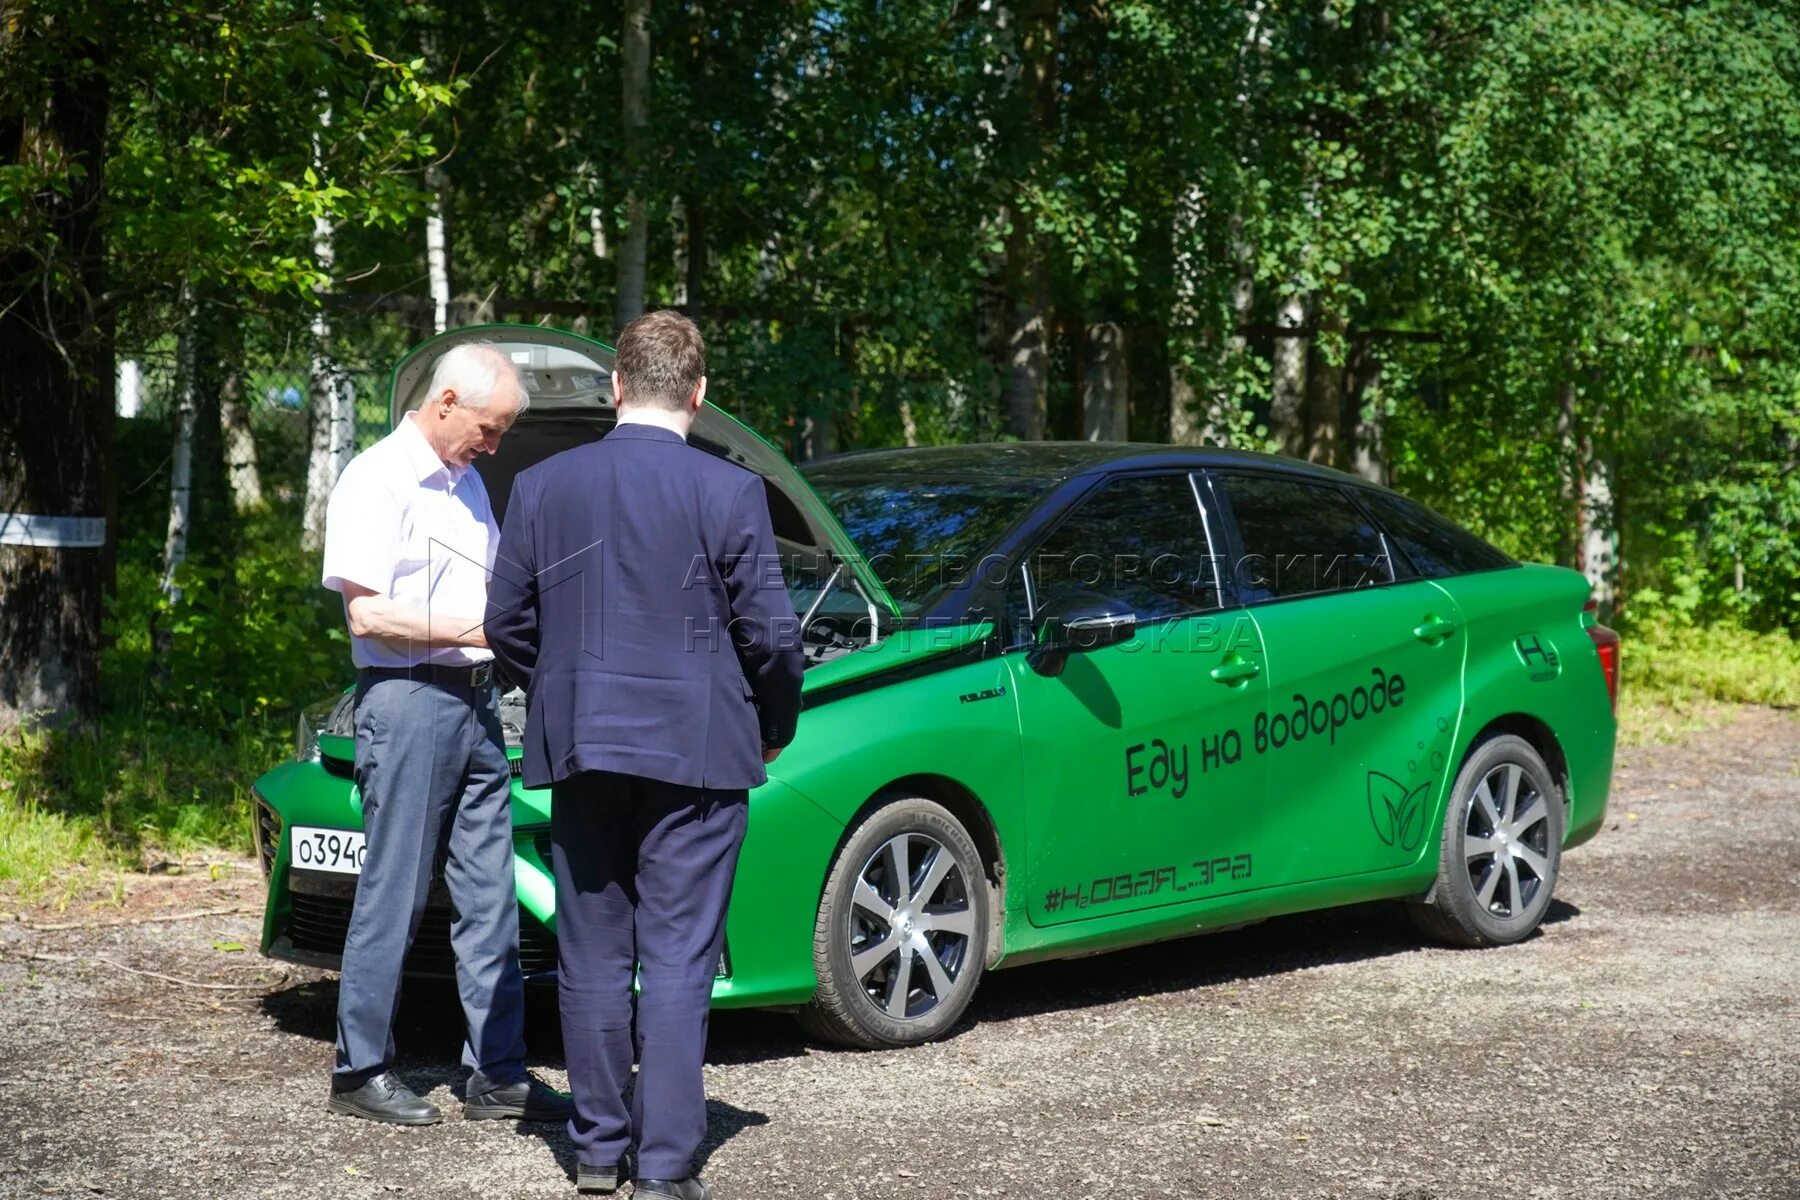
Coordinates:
[431,767]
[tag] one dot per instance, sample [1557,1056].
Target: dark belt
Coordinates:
[443,675]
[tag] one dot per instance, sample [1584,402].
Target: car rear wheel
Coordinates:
[901,938]
[1502,847]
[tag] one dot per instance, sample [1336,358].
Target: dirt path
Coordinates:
[1643,1046]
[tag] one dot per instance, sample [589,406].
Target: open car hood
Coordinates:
[569,378]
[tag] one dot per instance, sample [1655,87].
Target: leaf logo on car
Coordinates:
[1397,814]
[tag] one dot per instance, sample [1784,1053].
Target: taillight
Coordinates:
[1606,644]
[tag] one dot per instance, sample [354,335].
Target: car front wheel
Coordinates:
[901,938]
[1502,847]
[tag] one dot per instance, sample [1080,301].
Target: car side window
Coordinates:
[1138,540]
[1302,538]
[1437,547]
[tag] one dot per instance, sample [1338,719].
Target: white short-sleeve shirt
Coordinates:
[407,526]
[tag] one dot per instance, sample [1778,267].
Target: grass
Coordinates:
[1678,681]
[78,808]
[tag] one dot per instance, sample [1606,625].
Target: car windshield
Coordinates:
[924,533]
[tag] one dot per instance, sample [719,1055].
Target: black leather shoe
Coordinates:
[384,1098]
[691,1188]
[591,1180]
[526,1100]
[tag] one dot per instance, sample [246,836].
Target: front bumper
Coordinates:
[306,916]
[308,913]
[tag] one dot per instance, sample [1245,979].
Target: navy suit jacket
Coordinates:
[638,597]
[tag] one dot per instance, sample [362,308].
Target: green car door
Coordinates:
[1135,764]
[1365,678]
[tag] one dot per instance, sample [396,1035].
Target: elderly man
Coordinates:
[409,541]
[639,590]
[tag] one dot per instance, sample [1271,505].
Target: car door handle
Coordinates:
[1434,630]
[1235,670]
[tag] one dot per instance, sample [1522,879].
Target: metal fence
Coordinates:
[147,381]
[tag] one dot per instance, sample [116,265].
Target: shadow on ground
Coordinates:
[429,1030]
[723,1122]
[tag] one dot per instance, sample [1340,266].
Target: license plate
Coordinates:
[337,850]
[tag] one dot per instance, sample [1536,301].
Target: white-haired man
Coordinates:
[409,542]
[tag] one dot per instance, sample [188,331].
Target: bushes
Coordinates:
[1677,679]
[199,697]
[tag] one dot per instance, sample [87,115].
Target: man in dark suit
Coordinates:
[638,594]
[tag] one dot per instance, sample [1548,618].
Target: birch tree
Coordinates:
[241,466]
[181,457]
[332,438]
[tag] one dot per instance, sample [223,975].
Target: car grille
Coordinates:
[267,832]
[319,924]
[319,920]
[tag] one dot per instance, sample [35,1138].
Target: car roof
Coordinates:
[1052,462]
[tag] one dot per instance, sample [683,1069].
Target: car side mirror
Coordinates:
[1082,626]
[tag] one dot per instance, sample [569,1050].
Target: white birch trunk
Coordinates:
[1599,546]
[956,409]
[437,258]
[1028,351]
[181,471]
[1105,384]
[597,232]
[333,439]
[131,387]
[1287,402]
[240,444]
[437,249]
[1186,426]
[1569,474]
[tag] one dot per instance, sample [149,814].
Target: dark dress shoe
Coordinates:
[691,1188]
[591,1180]
[526,1100]
[384,1098]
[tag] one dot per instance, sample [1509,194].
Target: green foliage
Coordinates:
[1531,239]
[1677,679]
[181,736]
[124,794]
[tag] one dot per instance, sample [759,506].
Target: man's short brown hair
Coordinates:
[660,360]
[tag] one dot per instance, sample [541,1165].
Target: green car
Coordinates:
[1065,697]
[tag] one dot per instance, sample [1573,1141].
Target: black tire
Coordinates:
[859,1008]
[1499,861]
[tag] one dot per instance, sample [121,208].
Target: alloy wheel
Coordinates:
[1506,846]
[911,923]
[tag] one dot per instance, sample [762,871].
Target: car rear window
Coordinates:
[1302,538]
[1436,546]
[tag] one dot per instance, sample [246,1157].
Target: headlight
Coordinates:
[313,720]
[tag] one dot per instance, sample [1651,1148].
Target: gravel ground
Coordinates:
[1644,1045]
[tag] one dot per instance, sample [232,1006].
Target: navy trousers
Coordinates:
[431,767]
[643,878]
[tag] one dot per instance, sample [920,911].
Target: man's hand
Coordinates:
[770,754]
[375,616]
